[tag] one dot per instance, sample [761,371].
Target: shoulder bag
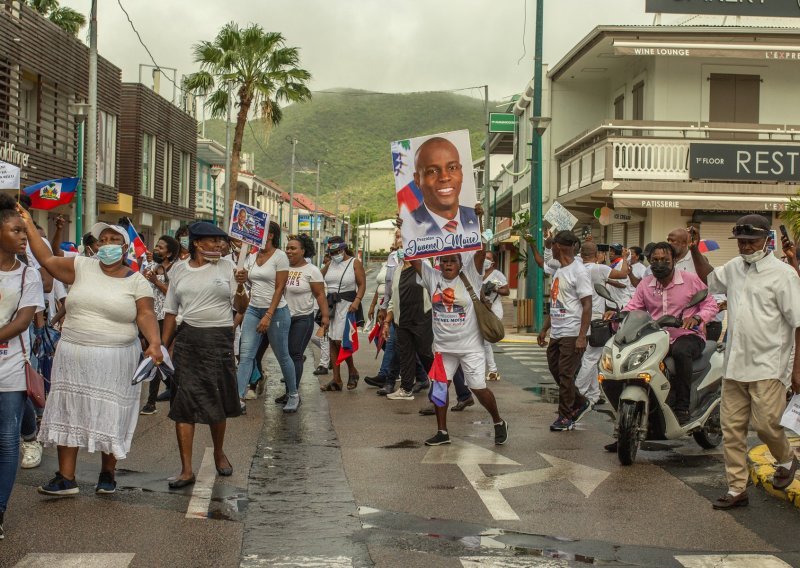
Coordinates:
[34,382]
[492,328]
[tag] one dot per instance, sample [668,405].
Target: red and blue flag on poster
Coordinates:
[139,248]
[349,338]
[438,378]
[51,193]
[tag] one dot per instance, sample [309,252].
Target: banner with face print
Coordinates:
[435,189]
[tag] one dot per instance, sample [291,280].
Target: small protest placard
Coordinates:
[9,176]
[560,218]
[248,224]
[435,190]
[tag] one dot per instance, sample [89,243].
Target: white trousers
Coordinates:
[324,348]
[586,381]
[491,366]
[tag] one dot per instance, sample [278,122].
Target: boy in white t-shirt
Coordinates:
[568,323]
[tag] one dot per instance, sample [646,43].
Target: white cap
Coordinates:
[100,227]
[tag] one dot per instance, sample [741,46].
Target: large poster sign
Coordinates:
[435,189]
[769,8]
[248,224]
[744,162]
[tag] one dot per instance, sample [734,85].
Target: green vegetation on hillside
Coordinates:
[352,132]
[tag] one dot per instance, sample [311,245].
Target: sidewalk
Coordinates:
[762,467]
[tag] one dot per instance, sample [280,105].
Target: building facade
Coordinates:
[158,168]
[210,154]
[39,85]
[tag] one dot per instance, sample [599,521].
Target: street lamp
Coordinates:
[495,186]
[215,171]
[79,111]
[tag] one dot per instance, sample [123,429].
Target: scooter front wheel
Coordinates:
[630,417]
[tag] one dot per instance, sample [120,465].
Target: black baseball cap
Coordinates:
[751,228]
[566,238]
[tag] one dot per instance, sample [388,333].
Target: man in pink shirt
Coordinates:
[667,292]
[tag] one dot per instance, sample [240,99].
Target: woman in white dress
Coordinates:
[92,403]
[495,285]
[346,284]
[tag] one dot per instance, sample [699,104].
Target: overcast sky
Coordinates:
[379,45]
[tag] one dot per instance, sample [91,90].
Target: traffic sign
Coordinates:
[500,122]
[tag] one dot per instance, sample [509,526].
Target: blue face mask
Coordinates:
[184,242]
[109,254]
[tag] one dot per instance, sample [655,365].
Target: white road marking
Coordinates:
[469,457]
[202,488]
[253,561]
[521,562]
[79,560]
[732,561]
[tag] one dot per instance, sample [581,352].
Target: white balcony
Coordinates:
[650,151]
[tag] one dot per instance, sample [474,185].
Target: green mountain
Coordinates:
[351,131]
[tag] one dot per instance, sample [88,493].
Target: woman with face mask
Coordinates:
[167,251]
[346,284]
[182,236]
[92,403]
[268,313]
[205,290]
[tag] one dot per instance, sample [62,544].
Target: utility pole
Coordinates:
[317,224]
[487,156]
[535,277]
[91,125]
[228,164]
[336,230]
[291,186]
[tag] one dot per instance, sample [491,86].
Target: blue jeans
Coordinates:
[278,334]
[388,356]
[11,408]
[299,335]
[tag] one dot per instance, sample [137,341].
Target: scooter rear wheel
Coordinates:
[630,415]
[711,435]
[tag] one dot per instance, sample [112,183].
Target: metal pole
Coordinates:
[535,278]
[291,188]
[494,215]
[79,200]
[316,214]
[487,157]
[228,160]
[91,144]
[214,197]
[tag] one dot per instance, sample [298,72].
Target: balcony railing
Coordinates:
[638,150]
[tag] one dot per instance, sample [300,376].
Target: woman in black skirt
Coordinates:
[204,390]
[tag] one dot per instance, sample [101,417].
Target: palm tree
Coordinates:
[261,71]
[791,216]
[67,19]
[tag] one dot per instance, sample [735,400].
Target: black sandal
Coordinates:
[331,386]
[352,382]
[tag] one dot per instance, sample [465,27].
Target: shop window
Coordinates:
[734,98]
[184,179]
[106,148]
[619,108]
[167,185]
[638,101]
[148,165]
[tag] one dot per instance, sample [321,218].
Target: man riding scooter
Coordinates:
[667,292]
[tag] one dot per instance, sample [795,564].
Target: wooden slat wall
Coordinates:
[145,111]
[32,44]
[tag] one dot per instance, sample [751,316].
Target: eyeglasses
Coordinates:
[747,230]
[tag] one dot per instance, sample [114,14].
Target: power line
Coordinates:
[524,29]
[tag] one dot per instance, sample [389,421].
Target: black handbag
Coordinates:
[599,332]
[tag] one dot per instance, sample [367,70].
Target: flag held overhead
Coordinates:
[51,193]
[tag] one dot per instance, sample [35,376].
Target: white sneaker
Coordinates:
[251,395]
[400,394]
[31,454]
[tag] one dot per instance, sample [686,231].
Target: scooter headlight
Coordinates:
[606,362]
[637,358]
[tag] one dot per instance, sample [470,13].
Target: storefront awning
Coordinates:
[722,202]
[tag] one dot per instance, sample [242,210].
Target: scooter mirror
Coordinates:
[603,292]
[698,297]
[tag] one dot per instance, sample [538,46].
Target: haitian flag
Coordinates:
[349,338]
[376,337]
[137,243]
[438,376]
[409,197]
[52,193]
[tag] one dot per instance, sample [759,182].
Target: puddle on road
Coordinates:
[228,507]
[404,444]
[546,393]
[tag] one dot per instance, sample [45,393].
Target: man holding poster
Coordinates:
[429,195]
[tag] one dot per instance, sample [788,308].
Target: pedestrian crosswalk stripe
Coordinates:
[202,488]
[254,561]
[731,561]
[76,560]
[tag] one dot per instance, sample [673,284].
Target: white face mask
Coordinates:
[337,258]
[756,256]
[487,264]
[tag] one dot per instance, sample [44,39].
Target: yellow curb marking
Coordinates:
[762,468]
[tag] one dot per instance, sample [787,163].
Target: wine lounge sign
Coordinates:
[766,8]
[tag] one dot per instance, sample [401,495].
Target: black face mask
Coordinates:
[661,269]
[157,258]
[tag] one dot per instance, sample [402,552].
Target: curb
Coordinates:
[515,340]
[762,466]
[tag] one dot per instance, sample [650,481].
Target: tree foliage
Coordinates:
[64,17]
[258,70]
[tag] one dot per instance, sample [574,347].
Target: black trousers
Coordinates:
[684,351]
[714,330]
[410,343]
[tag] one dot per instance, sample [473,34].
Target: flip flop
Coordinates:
[352,382]
[331,386]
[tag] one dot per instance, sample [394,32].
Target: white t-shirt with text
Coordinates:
[298,289]
[570,284]
[203,296]
[263,278]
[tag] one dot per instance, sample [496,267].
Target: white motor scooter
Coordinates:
[634,372]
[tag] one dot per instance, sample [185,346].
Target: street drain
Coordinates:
[441,486]
[402,445]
